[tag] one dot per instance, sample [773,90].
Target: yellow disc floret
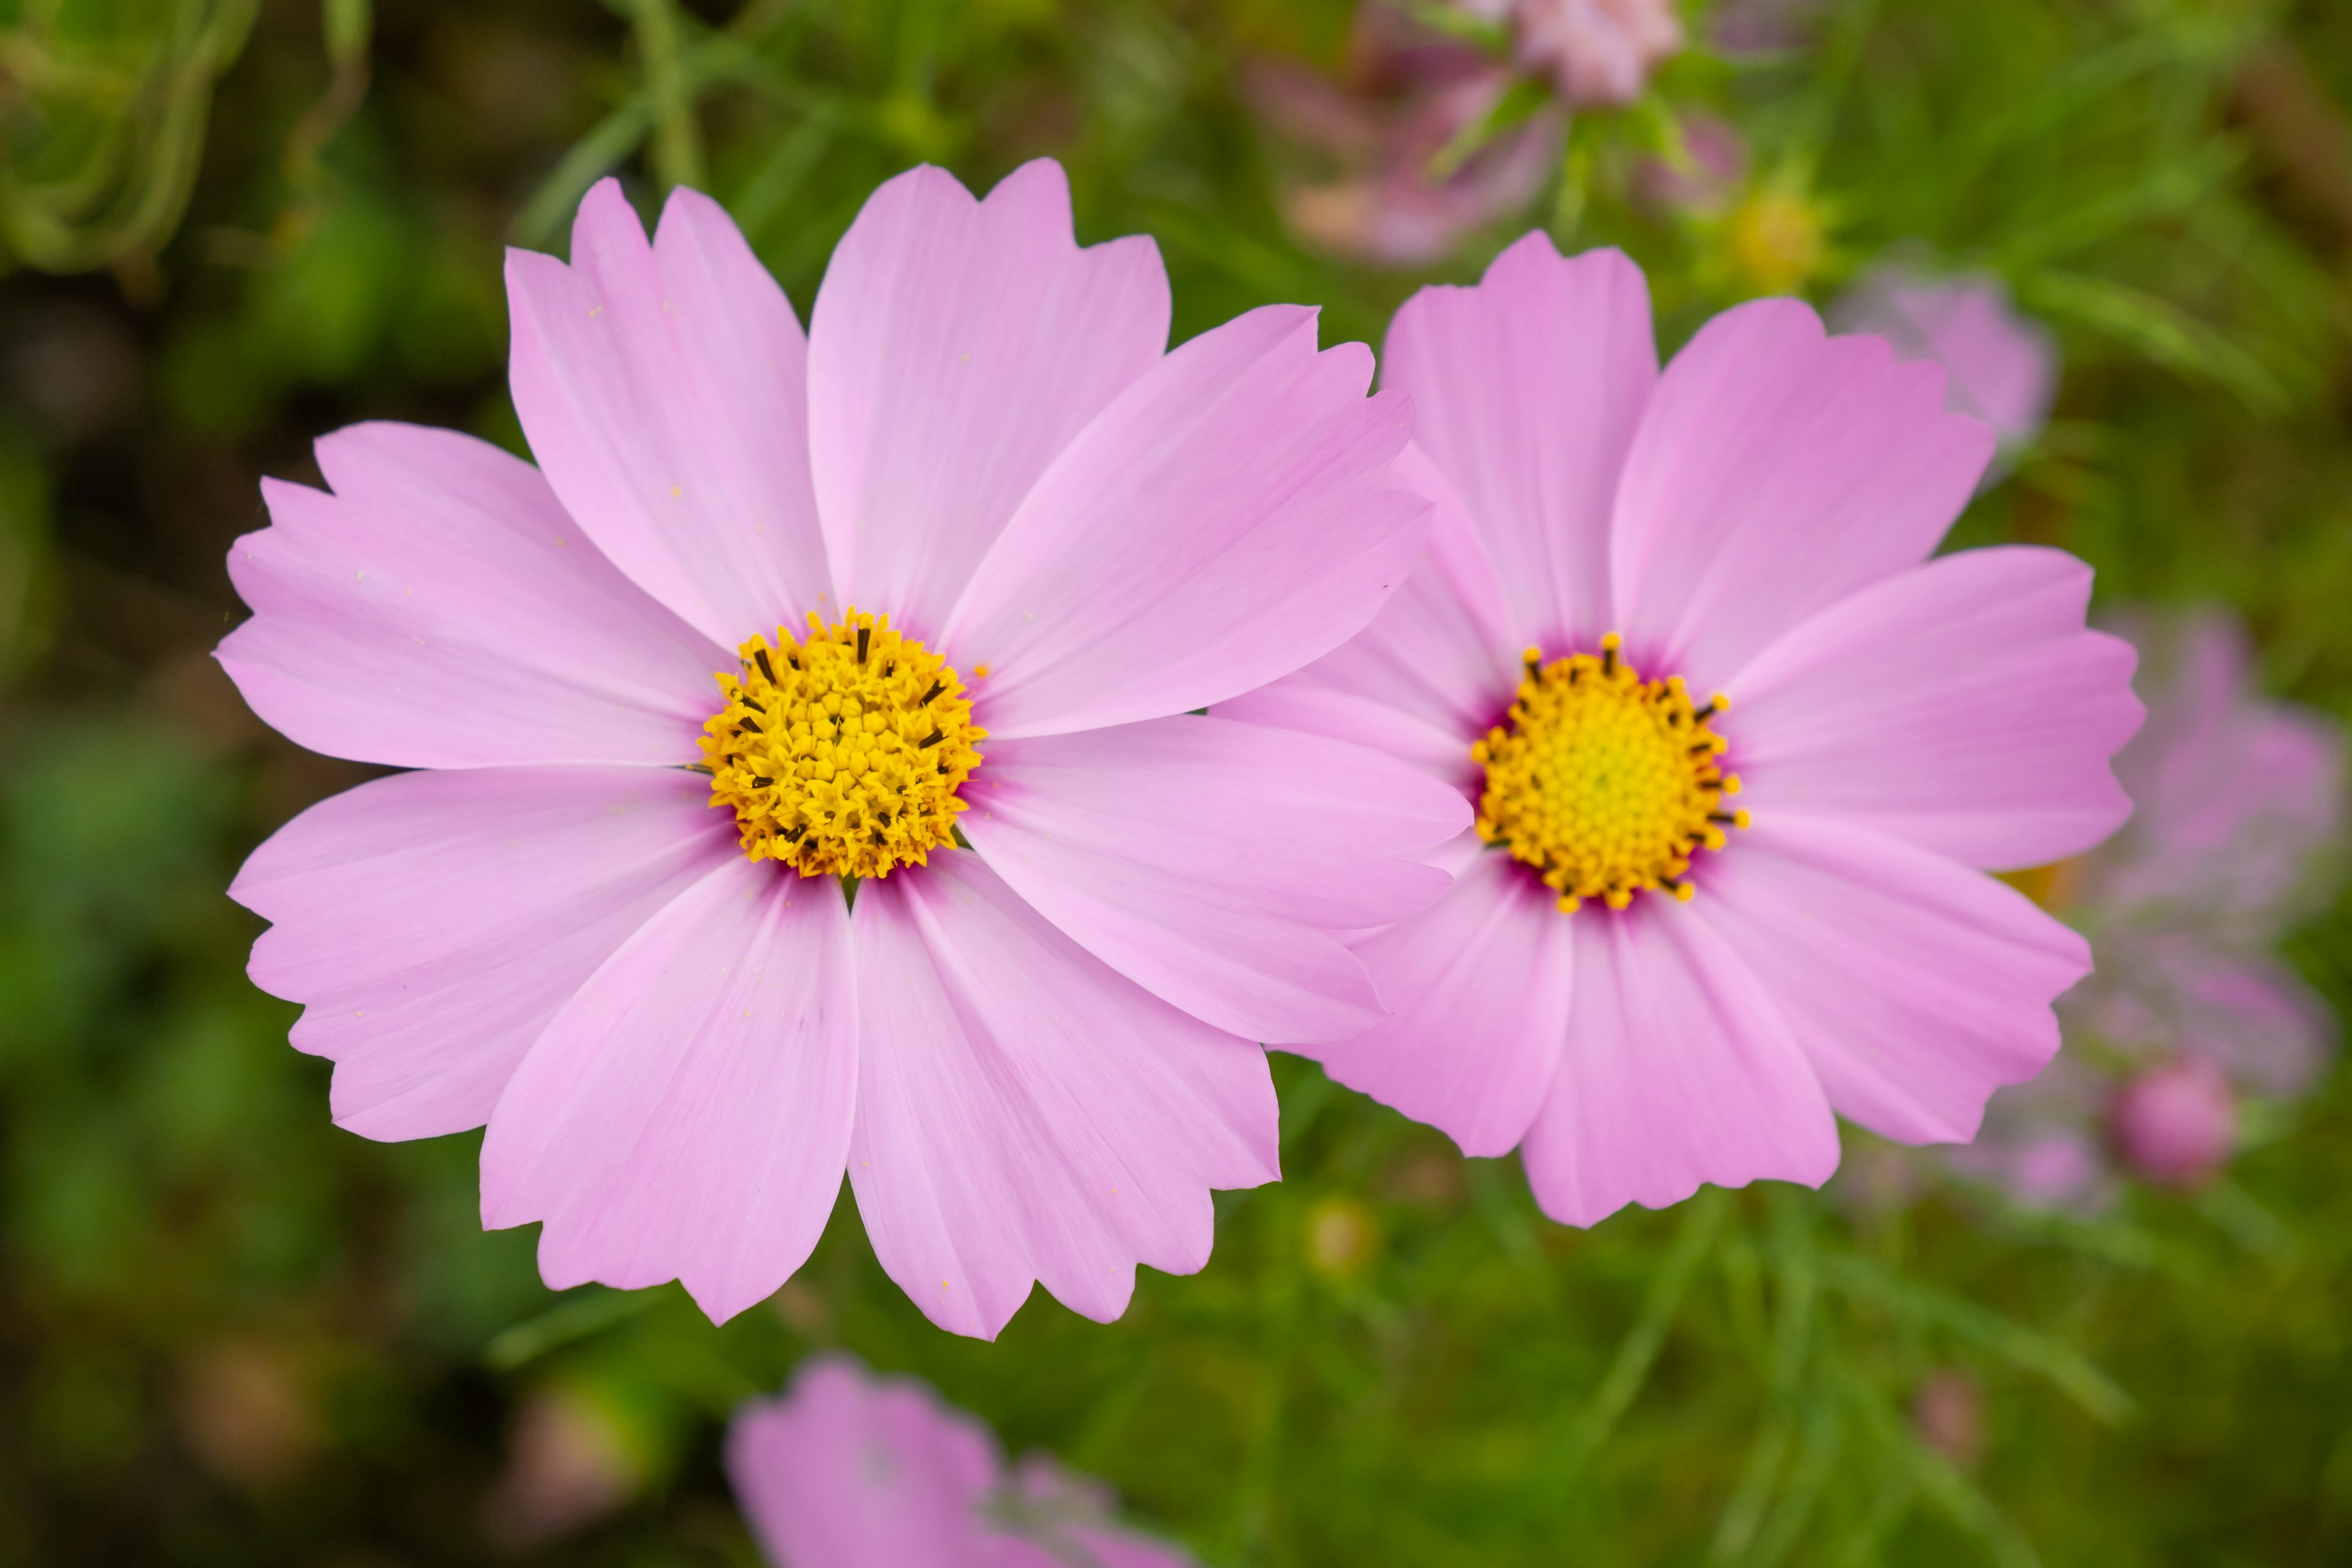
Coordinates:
[842,753]
[1606,784]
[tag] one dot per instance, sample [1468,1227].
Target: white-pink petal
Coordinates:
[1679,1070]
[1961,705]
[1778,471]
[433,923]
[1227,519]
[1026,1113]
[1213,862]
[1915,985]
[664,389]
[1527,389]
[956,347]
[439,608]
[687,1115]
[1479,987]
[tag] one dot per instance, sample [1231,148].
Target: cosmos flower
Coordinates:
[1600,53]
[849,1470]
[962,560]
[1403,99]
[1740,749]
[2000,367]
[2239,831]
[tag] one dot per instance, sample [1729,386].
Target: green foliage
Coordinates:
[231,1333]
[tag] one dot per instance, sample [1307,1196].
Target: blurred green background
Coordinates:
[230,1333]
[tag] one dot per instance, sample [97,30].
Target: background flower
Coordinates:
[2000,367]
[2238,831]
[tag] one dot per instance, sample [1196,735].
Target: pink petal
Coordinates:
[1778,471]
[433,923]
[1679,1070]
[853,1471]
[1025,1113]
[1434,671]
[664,390]
[1527,393]
[1915,985]
[1961,705]
[687,1115]
[1213,862]
[956,347]
[440,609]
[1480,988]
[1227,519]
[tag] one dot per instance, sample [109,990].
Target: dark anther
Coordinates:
[1608,661]
[762,784]
[1700,714]
[937,686]
[746,700]
[865,634]
[795,835]
[889,670]
[1703,748]
[750,724]
[879,838]
[1672,884]
[933,739]
[765,667]
[1722,816]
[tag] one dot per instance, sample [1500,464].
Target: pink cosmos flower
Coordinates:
[962,559]
[2000,367]
[2240,828]
[1600,52]
[849,1470]
[1405,95]
[1741,749]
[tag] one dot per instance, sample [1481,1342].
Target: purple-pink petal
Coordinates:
[1528,390]
[664,390]
[956,347]
[852,1471]
[1479,987]
[1778,471]
[1213,862]
[433,923]
[1915,986]
[1677,1071]
[438,608]
[1026,1113]
[1961,705]
[686,1114]
[1227,519]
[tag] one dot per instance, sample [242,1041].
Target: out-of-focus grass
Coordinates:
[229,1334]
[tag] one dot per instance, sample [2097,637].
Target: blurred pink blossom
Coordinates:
[1403,98]
[849,1470]
[2001,367]
[1599,52]
[2239,828]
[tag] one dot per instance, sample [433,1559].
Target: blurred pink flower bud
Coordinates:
[1713,169]
[1600,52]
[1948,1413]
[2175,1125]
[569,1464]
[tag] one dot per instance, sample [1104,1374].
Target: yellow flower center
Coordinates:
[1603,782]
[842,753]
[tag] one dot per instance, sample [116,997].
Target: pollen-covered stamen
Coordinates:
[1606,784]
[842,755]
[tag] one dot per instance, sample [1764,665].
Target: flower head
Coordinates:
[1395,191]
[1741,751]
[917,605]
[2000,367]
[1600,53]
[849,1470]
[2240,826]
